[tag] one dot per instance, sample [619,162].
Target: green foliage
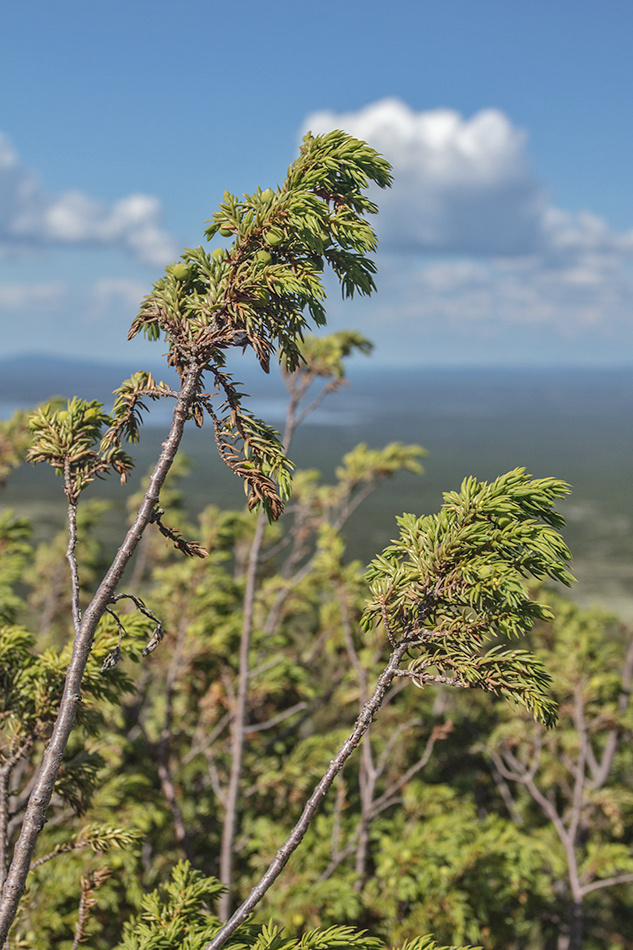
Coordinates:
[442,867]
[99,839]
[177,914]
[252,450]
[68,439]
[316,217]
[32,685]
[276,612]
[14,442]
[48,607]
[128,405]
[364,465]
[14,555]
[323,356]
[573,784]
[456,579]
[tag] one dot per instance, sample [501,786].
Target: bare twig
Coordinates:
[600,770]
[238,724]
[5,775]
[200,747]
[607,882]
[88,887]
[163,746]
[70,553]
[275,720]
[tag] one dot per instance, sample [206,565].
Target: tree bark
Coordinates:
[4,822]
[575,926]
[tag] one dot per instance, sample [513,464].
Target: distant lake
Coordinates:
[575,424]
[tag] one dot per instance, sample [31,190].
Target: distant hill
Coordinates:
[26,380]
[29,379]
[375,390]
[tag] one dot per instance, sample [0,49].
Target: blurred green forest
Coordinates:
[462,816]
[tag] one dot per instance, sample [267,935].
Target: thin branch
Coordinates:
[368,773]
[437,734]
[62,849]
[349,848]
[238,724]
[578,797]
[335,838]
[163,747]
[310,709]
[394,738]
[264,667]
[70,554]
[5,776]
[214,776]
[521,774]
[601,771]
[421,679]
[198,748]
[607,882]
[504,790]
[88,886]
[297,834]
[280,717]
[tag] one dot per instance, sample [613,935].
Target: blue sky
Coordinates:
[507,238]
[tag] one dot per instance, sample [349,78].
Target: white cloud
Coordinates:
[29,216]
[465,186]
[127,293]
[460,185]
[473,247]
[572,300]
[63,317]
[569,235]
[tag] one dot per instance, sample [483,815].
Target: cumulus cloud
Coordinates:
[460,185]
[473,245]
[30,217]
[465,186]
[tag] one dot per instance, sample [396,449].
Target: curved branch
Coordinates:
[607,882]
